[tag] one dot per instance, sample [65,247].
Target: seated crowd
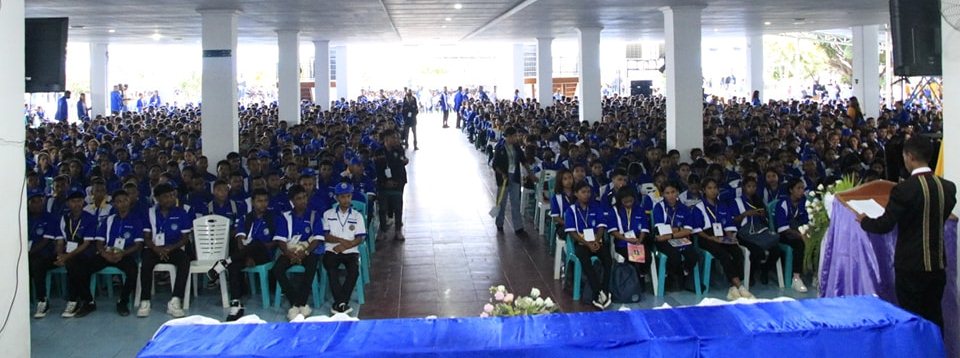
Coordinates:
[123,191]
[615,176]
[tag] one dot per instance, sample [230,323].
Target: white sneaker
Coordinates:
[799,286]
[306,311]
[42,308]
[292,313]
[733,294]
[175,309]
[144,309]
[70,310]
[607,299]
[745,293]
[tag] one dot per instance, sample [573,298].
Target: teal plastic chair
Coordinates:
[315,287]
[662,275]
[357,290]
[62,273]
[577,270]
[787,250]
[108,272]
[263,273]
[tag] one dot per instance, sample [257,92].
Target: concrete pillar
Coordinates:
[517,73]
[591,108]
[343,85]
[684,90]
[220,128]
[288,73]
[544,71]
[98,98]
[755,64]
[321,73]
[866,68]
[950,40]
[15,288]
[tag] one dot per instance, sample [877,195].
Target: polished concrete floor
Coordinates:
[451,257]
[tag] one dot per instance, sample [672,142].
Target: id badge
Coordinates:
[630,235]
[589,235]
[160,239]
[717,230]
[664,229]
[119,243]
[71,246]
[388,173]
[295,239]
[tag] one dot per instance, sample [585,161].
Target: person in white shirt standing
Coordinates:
[343,230]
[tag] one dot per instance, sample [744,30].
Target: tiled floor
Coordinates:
[451,257]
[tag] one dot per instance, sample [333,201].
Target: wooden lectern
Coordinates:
[878,190]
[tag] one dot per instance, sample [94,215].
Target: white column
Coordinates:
[220,127]
[321,73]
[866,68]
[517,75]
[343,85]
[951,102]
[15,288]
[684,90]
[98,99]
[591,109]
[544,71]
[288,73]
[755,64]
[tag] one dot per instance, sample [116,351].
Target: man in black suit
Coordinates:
[507,163]
[918,206]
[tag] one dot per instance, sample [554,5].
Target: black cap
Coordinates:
[162,189]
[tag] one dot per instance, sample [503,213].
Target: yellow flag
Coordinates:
[939,170]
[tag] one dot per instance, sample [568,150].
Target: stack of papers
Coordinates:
[870,207]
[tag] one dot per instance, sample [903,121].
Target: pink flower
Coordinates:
[484,315]
[508,298]
[487,308]
[499,296]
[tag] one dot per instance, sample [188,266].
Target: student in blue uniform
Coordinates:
[99,206]
[56,204]
[630,225]
[561,200]
[116,100]
[444,106]
[673,232]
[754,232]
[585,223]
[344,229]
[255,234]
[74,234]
[790,216]
[167,234]
[41,249]
[62,113]
[279,201]
[82,109]
[119,241]
[717,234]
[296,237]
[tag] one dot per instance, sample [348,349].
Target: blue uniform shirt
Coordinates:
[122,233]
[707,214]
[39,226]
[75,231]
[678,216]
[789,215]
[578,219]
[293,229]
[261,229]
[168,229]
[636,221]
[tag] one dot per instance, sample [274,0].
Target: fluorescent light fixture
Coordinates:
[458,6]
[156,36]
[767,23]
[448,19]
[111,31]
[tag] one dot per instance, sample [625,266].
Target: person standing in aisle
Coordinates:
[391,163]
[410,109]
[444,106]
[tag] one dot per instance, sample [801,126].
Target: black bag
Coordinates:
[765,240]
[626,286]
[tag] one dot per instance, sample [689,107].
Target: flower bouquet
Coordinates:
[505,304]
[818,211]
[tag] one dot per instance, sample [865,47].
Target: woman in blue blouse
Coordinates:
[586,223]
[753,230]
[791,215]
[671,223]
[561,200]
[717,234]
[629,225]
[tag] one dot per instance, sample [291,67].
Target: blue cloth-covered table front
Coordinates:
[832,327]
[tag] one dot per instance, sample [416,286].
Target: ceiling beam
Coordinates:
[522,4]
[390,18]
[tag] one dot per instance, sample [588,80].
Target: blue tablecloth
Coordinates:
[855,263]
[832,327]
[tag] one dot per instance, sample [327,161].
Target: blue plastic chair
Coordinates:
[108,272]
[263,271]
[577,270]
[662,275]
[62,271]
[316,289]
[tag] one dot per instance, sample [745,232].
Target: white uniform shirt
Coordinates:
[347,225]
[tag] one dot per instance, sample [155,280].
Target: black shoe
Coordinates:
[84,308]
[343,308]
[236,311]
[520,233]
[214,272]
[123,308]
[764,277]
[500,229]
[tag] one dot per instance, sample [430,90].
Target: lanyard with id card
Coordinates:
[71,243]
[588,234]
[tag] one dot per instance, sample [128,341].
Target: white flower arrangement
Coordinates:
[505,304]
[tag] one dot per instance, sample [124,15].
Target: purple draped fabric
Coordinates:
[854,262]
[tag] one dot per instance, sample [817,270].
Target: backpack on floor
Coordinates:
[626,286]
[588,293]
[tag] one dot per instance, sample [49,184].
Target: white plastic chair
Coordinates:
[557,261]
[543,207]
[168,268]
[746,269]
[211,235]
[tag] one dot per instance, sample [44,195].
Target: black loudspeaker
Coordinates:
[641,88]
[915,28]
[46,54]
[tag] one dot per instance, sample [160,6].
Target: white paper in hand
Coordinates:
[869,207]
[71,246]
[664,229]
[589,235]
